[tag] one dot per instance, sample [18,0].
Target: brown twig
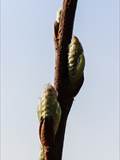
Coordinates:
[64,38]
[53,144]
[63,34]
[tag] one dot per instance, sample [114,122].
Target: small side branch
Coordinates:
[63,39]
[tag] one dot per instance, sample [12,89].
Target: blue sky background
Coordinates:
[27,63]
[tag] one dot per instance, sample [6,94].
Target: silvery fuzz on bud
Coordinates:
[59,12]
[49,106]
[76,60]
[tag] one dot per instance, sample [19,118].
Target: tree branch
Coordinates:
[63,35]
[63,29]
[64,38]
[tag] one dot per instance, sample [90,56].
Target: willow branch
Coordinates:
[62,37]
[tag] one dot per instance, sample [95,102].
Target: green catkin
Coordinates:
[49,107]
[76,60]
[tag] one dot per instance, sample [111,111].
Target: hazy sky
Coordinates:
[27,63]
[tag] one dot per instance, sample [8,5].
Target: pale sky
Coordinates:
[27,64]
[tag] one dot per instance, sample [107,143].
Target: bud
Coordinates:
[59,12]
[49,106]
[76,60]
[42,155]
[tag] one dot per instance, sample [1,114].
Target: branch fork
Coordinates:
[63,30]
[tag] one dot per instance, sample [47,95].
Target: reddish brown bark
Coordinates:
[62,37]
[63,34]
[46,134]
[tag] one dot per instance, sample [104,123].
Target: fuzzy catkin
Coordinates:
[76,60]
[49,106]
[58,16]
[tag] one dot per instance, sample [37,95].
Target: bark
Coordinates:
[62,37]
